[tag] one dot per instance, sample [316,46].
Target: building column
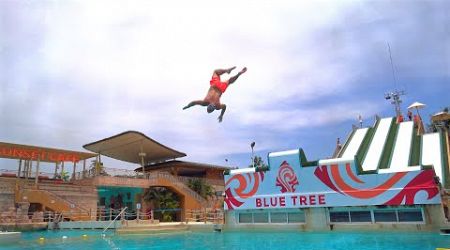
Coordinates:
[36,178]
[20,168]
[84,168]
[142,155]
[74,170]
[56,169]
[30,169]
[62,168]
[25,170]
[97,165]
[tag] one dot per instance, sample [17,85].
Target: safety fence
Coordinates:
[31,175]
[201,215]
[205,215]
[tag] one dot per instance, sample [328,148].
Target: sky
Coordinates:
[74,72]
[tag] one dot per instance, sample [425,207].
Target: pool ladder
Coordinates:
[106,228]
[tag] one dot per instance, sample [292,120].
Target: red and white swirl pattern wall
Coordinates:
[289,185]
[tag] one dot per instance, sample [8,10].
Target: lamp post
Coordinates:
[252,145]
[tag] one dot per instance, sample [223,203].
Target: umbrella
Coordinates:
[417,106]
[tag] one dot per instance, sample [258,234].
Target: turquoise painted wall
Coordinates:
[127,195]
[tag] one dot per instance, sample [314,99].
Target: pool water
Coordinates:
[233,240]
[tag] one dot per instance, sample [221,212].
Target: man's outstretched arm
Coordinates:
[223,107]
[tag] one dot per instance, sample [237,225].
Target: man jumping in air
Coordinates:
[216,89]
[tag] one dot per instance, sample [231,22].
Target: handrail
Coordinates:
[56,196]
[59,198]
[123,210]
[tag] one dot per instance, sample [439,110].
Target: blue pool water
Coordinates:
[233,240]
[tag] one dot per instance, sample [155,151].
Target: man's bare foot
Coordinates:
[243,70]
[231,69]
[220,118]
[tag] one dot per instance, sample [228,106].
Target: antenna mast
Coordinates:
[394,95]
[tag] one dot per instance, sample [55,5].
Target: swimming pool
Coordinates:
[233,240]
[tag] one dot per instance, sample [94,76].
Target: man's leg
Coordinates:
[199,102]
[219,72]
[234,78]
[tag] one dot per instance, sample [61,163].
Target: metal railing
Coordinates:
[126,173]
[32,174]
[201,215]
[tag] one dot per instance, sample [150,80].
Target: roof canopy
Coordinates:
[131,146]
[441,116]
[27,152]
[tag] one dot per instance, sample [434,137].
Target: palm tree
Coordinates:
[164,200]
[258,162]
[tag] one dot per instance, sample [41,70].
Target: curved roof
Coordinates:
[128,146]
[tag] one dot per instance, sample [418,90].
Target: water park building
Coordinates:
[390,175]
[81,189]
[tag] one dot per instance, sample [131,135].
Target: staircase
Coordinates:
[164,178]
[70,210]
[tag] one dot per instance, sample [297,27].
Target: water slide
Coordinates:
[355,142]
[414,156]
[402,149]
[376,146]
[431,153]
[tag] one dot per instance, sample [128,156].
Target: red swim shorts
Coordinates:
[215,81]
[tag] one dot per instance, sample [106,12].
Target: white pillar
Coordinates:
[30,168]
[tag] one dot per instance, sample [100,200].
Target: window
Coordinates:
[376,215]
[245,218]
[278,217]
[275,216]
[296,217]
[385,216]
[261,218]
[413,215]
[339,216]
[360,216]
